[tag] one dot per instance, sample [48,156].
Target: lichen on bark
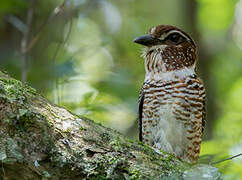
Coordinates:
[39,140]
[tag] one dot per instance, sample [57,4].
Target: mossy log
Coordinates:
[39,140]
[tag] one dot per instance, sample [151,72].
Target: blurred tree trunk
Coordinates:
[204,66]
[39,140]
[25,40]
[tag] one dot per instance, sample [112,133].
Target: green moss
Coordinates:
[13,151]
[14,90]
[105,137]
[46,174]
[82,128]
[3,154]
[51,111]
[120,144]
[22,119]
[135,174]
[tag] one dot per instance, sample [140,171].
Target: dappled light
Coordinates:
[80,54]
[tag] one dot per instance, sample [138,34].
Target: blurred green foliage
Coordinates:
[216,15]
[83,58]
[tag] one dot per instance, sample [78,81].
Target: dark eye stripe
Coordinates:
[179,33]
[175,38]
[182,34]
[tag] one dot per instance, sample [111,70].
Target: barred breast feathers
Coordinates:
[171,108]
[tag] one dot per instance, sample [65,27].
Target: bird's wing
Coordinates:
[140,110]
[203,111]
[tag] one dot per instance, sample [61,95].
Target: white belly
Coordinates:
[166,132]
[169,133]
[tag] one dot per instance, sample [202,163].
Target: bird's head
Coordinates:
[168,48]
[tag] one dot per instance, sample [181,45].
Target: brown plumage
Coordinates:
[172,99]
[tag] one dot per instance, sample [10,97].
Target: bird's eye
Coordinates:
[174,38]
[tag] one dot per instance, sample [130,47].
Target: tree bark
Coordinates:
[39,140]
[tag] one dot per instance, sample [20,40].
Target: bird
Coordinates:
[171,105]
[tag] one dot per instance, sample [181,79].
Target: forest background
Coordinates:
[80,55]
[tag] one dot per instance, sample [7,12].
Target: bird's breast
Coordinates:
[168,116]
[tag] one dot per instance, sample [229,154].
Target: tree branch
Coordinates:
[39,140]
[54,13]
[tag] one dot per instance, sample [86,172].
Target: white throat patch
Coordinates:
[170,75]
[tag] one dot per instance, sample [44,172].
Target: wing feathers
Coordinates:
[140,110]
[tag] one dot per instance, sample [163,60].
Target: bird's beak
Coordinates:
[147,40]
